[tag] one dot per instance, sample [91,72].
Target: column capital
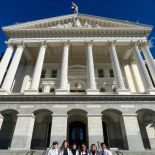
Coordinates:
[43,43]
[134,43]
[66,43]
[94,115]
[134,114]
[25,115]
[59,115]
[89,43]
[21,44]
[9,43]
[143,44]
[111,43]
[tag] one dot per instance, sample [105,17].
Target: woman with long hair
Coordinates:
[64,149]
[74,149]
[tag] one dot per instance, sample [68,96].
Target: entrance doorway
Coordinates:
[42,130]
[77,133]
[105,133]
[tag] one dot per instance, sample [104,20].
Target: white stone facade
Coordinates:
[77,72]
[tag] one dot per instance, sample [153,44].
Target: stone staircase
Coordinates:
[22,152]
[43,152]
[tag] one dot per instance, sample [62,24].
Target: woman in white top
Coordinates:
[74,149]
[64,149]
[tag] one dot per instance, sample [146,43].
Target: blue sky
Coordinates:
[18,11]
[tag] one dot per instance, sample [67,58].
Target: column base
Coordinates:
[123,91]
[92,91]
[61,92]
[151,91]
[4,92]
[30,92]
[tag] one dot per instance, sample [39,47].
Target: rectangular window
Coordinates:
[100,73]
[111,73]
[40,90]
[51,89]
[43,73]
[54,73]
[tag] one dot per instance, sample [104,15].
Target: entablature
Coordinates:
[65,98]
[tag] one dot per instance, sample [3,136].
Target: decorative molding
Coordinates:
[143,44]
[66,43]
[43,43]
[130,115]
[111,43]
[89,43]
[134,44]
[25,115]
[9,43]
[78,24]
[21,44]
[62,98]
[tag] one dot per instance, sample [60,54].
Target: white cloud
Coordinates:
[152,42]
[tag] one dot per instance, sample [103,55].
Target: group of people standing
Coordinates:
[66,150]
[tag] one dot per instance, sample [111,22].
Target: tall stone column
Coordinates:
[63,86]
[142,69]
[133,134]
[1,121]
[91,83]
[59,128]
[38,68]
[23,132]
[117,70]
[12,69]
[5,60]
[149,59]
[95,128]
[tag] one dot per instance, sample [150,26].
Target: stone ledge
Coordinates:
[61,92]
[43,152]
[91,98]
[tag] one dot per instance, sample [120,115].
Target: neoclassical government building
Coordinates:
[77,77]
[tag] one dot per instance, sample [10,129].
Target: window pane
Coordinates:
[43,73]
[54,73]
[40,90]
[100,73]
[81,134]
[111,73]
[73,133]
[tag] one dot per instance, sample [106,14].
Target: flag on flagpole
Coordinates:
[74,7]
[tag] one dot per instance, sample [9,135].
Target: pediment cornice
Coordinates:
[77,23]
[108,32]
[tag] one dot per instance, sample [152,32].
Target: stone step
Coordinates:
[126,152]
[22,152]
[43,152]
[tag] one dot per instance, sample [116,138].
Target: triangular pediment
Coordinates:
[77,21]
